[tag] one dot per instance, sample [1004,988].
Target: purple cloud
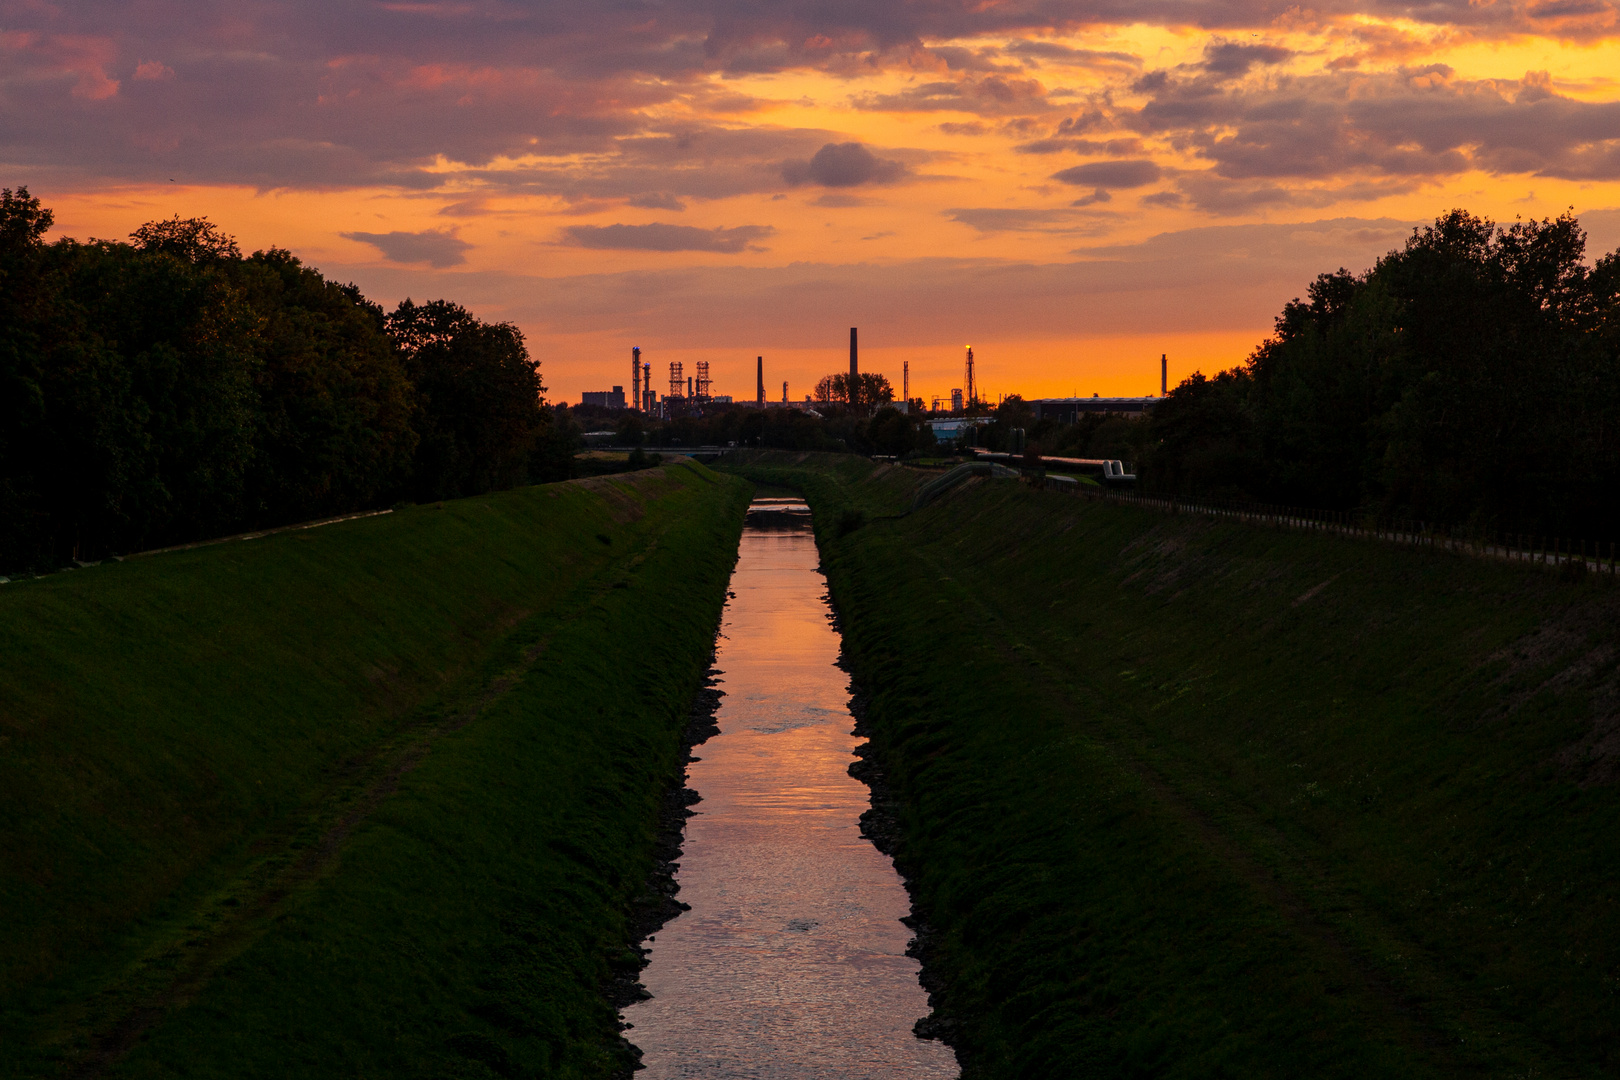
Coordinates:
[1111,174]
[842,165]
[436,247]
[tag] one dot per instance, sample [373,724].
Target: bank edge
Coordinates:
[478,894]
[1185,798]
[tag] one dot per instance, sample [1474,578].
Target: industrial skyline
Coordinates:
[700,388]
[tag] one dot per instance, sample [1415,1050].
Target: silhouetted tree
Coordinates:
[479,414]
[1471,378]
[871,389]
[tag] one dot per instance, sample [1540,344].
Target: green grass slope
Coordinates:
[365,799]
[1185,798]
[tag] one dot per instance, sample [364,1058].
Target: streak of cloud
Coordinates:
[658,236]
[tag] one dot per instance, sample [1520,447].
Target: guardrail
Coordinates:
[1556,552]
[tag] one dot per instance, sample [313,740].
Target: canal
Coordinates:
[791,962]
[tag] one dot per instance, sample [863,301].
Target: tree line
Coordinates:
[1470,378]
[168,388]
[830,426]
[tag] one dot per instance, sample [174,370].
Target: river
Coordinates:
[791,962]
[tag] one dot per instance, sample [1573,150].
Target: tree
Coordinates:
[480,411]
[196,240]
[1469,378]
[23,221]
[335,406]
[871,389]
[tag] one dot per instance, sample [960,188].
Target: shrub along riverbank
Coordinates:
[368,799]
[1189,798]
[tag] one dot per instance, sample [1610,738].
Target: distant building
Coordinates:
[1068,410]
[721,399]
[606,399]
[949,429]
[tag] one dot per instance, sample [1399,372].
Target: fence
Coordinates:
[1566,554]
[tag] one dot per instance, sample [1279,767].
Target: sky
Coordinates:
[1071,187]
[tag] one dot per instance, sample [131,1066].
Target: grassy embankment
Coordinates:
[1186,798]
[368,799]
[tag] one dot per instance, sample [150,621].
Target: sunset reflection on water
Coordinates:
[791,961]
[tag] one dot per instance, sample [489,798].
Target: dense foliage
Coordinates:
[169,388]
[1471,378]
[868,388]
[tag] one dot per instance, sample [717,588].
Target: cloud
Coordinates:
[992,95]
[1066,56]
[1231,59]
[662,237]
[1413,123]
[436,247]
[842,165]
[995,219]
[603,101]
[1129,173]
[657,200]
[1081,146]
[1164,198]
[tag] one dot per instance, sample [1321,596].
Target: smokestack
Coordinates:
[635,377]
[1164,375]
[784,391]
[759,376]
[689,391]
[854,370]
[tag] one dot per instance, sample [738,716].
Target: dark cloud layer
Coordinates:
[661,237]
[314,95]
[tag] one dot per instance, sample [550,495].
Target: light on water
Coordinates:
[791,962]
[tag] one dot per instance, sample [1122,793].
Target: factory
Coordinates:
[1069,410]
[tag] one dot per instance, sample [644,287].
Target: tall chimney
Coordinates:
[689,391]
[1164,375]
[854,372]
[635,377]
[759,376]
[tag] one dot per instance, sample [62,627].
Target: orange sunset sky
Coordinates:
[1071,187]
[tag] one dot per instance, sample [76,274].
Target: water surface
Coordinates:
[791,962]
